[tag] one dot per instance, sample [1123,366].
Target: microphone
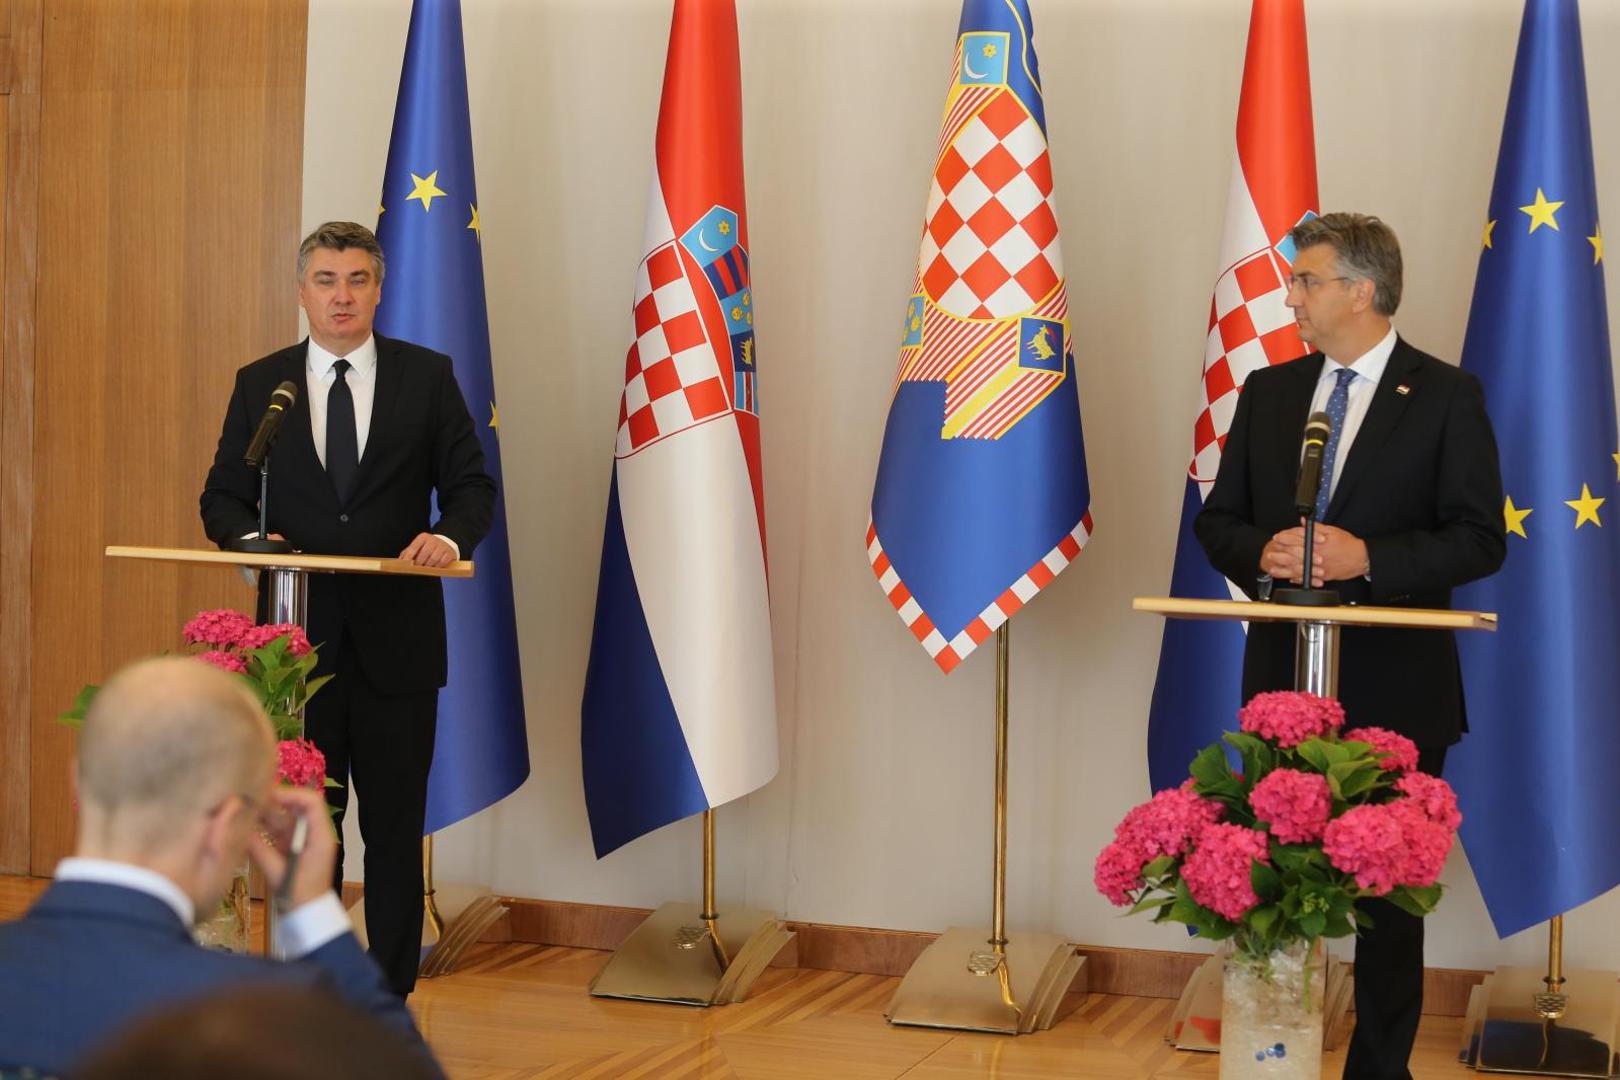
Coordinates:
[280,401]
[1317,431]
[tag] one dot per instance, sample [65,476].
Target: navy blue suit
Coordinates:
[89,958]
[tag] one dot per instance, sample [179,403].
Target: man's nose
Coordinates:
[343,294]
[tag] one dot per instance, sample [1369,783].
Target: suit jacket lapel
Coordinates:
[1382,415]
[384,409]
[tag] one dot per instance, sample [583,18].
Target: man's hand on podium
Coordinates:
[429,550]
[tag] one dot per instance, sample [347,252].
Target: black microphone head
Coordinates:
[1318,428]
[286,395]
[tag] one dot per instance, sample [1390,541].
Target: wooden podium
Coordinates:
[287,589]
[1316,669]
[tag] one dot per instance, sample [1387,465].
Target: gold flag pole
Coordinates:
[661,959]
[1032,971]
[430,906]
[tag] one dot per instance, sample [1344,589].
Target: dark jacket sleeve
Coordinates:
[1470,541]
[355,978]
[466,492]
[1225,526]
[230,496]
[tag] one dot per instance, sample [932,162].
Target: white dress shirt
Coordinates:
[300,931]
[1369,368]
[362,380]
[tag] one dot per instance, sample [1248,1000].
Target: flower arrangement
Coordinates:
[274,661]
[1278,853]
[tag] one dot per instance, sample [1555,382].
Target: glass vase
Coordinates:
[230,926]
[1271,1013]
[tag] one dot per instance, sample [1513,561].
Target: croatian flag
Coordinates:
[680,706]
[1273,189]
[981,496]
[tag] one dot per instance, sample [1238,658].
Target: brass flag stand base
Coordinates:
[1557,1024]
[688,954]
[984,980]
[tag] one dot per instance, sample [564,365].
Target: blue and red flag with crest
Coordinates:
[679,713]
[1273,188]
[981,496]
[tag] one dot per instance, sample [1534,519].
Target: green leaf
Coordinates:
[1264,880]
[73,715]
[1313,924]
[1149,903]
[1209,768]
[1415,900]
[1263,919]
[1157,868]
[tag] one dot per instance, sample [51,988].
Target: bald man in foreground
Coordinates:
[177,787]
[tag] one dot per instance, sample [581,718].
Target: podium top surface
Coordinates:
[1175,607]
[331,564]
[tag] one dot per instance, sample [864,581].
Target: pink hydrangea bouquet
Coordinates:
[275,661]
[1279,852]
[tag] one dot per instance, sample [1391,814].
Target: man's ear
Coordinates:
[1365,291]
[220,830]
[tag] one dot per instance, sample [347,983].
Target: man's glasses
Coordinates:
[1310,282]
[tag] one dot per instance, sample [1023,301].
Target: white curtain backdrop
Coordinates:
[881,815]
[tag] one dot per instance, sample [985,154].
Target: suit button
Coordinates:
[343,518]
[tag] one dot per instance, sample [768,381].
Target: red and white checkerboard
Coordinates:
[672,374]
[947,654]
[1250,326]
[990,245]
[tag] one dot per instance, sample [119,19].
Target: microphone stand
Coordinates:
[262,544]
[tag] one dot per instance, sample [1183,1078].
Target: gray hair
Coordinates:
[1366,249]
[341,236]
[168,738]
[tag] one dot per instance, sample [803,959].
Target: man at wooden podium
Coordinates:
[1409,505]
[378,429]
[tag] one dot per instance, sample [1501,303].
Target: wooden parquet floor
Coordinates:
[521,1012]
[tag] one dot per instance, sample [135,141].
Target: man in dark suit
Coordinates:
[378,430]
[176,777]
[1410,506]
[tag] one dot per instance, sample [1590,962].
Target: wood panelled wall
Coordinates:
[169,180]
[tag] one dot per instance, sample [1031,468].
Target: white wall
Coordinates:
[881,813]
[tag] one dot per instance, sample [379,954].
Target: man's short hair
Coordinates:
[341,236]
[1367,251]
[170,737]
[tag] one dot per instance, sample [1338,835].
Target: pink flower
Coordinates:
[1295,804]
[1217,871]
[1167,823]
[1289,717]
[1118,872]
[1395,752]
[225,661]
[222,627]
[1369,842]
[301,764]
[257,637]
[1427,843]
[1434,796]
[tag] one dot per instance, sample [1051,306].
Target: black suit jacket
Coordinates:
[90,958]
[1421,485]
[421,441]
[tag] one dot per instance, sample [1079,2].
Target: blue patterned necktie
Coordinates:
[1338,402]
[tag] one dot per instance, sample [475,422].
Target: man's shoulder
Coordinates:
[1273,375]
[1413,361]
[275,363]
[410,352]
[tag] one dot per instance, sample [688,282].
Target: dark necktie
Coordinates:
[1338,403]
[342,441]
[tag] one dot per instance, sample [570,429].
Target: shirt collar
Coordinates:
[1370,365]
[362,360]
[129,876]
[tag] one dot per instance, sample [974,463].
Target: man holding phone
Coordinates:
[176,782]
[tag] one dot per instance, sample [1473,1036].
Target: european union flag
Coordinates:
[1536,776]
[433,294]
